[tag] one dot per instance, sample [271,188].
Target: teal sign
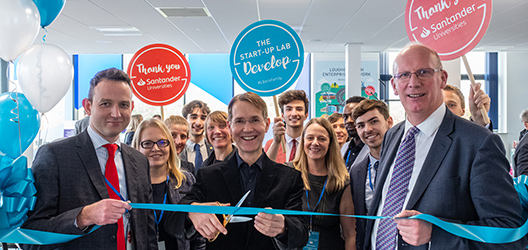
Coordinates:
[267,57]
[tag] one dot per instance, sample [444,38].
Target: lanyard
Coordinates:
[317,204]
[115,191]
[348,156]
[164,202]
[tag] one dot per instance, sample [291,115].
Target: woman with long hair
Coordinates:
[169,182]
[327,189]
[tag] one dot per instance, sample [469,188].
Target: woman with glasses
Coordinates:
[169,182]
[217,134]
[326,184]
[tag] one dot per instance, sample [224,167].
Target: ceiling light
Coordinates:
[119,31]
[183,12]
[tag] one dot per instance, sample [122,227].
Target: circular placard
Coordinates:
[451,27]
[160,74]
[267,57]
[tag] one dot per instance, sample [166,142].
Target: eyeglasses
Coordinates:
[252,122]
[421,74]
[150,144]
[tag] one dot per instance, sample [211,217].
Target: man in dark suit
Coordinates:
[70,177]
[372,120]
[272,185]
[458,170]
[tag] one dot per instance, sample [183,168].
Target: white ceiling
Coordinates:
[323,25]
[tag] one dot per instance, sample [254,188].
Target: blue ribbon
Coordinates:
[17,192]
[495,235]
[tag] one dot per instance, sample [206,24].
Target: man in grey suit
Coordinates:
[70,177]
[459,172]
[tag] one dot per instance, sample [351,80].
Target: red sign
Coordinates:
[451,27]
[160,74]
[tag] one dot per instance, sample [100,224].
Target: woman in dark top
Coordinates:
[169,182]
[326,186]
[217,134]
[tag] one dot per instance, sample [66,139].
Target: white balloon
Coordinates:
[45,74]
[19,26]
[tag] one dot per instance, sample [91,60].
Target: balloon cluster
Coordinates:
[45,71]
[19,125]
[45,74]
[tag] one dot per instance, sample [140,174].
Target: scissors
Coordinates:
[232,218]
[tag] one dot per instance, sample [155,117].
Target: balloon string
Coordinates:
[44,37]
[41,141]
[16,110]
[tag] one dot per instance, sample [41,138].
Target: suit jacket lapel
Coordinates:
[232,180]
[129,164]
[437,152]
[386,160]
[85,150]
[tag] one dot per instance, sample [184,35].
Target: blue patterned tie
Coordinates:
[398,188]
[198,160]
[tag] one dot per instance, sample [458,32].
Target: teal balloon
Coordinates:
[16,139]
[49,10]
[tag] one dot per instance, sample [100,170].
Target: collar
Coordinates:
[258,162]
[289,138]
[98,141]
[372,160]
[191,143]
[431,124]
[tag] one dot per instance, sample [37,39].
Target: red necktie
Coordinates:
[112,177]
[293,149]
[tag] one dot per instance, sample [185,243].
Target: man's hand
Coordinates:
[478,99]
[413,231]
[279,129]
[103,212]
[270,224]
[207,225]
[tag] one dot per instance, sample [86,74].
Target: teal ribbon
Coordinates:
[495,235]
[17,192]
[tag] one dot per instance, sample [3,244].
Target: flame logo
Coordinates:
[141,82]
[425,33]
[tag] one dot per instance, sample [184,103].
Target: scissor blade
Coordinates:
[239,203]
[236,219]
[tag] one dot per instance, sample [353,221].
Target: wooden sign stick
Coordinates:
[162,114]
[277,114]
[472,79]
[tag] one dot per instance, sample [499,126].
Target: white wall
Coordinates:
[513,79]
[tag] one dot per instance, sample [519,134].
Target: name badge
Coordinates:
[313,241]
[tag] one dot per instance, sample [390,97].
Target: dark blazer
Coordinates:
[521,157]
[187,166]
[68,177]
[358,177]
[464,179]
[277,187]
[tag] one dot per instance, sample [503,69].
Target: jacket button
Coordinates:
[113,237]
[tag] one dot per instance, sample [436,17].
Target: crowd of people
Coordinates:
[357,162]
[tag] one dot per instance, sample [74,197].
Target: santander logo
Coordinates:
[451,27]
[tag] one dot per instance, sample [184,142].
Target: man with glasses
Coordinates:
[271,185]
[87,180]
[439,164]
